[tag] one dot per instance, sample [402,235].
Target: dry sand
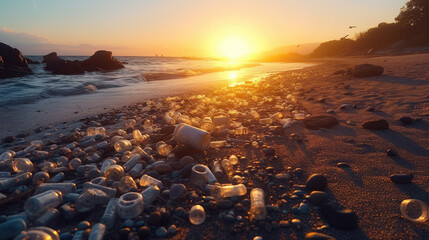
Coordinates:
[365,187]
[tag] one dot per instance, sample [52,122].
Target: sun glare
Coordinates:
[234,48]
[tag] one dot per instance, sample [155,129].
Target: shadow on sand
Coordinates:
[402,141]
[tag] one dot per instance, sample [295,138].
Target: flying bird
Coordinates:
[344,37]
[352,27]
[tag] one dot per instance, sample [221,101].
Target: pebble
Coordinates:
[186,160]
[144,232]
[154,218]
[342,219]
[318,197]
[343,165]
[380,124]
[318,236]
[162,168]
[129,223]
[172,229]
[84,225]
[330,111]
[161,232]
[317,182]
[226,203]
[370,109]
[406,120]
[229,218]
[177,191]
[269,151]
[401,178]
[284,224]
[258,238]
[391,152]
[296,222]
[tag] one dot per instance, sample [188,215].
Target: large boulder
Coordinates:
[12,63]
[61,66]
[102,59]
[366,70]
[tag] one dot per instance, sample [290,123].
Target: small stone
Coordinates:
[129,223]
[370,109]
[66,236]
[172,229]
[269,151]
[319,121]
[163,168]
[186,171]
[317,182]
[124,232]
[318,236]
[154,218]
[391,152]
[401,178]
[269,169]
[161,232]
[380,124]
[226,203]
[330,111]
[318,197]
[229,218]
[342,219]
[144,231]
[296,222]
[83,225]
[258,238]
[406,120]
[342,165]
[186,160]
[303,208]
[284,224]
[177,191]
[345,106]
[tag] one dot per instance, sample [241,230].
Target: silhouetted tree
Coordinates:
[415,13]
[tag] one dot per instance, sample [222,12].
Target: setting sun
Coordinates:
[234,48]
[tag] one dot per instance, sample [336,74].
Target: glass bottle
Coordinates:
[41,202]
[258,210]
[219,191]
[197,215]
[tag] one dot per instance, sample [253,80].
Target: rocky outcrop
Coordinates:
[103,60]
[12,63]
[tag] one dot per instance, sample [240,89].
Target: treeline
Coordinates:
[410,29]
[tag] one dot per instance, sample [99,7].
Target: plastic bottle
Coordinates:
[163,148]
[20,165]
[12,228]
[199,175]
[265,121]
[89,199]
[187,135]
[29,149]
[147,180]
[41,202]
[149,195]
[114,172]
[276,116]
[74,163]
[40,177]
[217,170]
[39,233]
[258,210]
[197,215]
[95,130]
[109,216]
[217,144]
[136,170]
[123,145]
[111,192]
[7,155]
[227,167]
[126,184]
[130,205]
[242,131]
[47,166]
[99,181]
[97,232]
[225,191]
[51,215]
[131,162]
[57,178]
[64,188]
[130,123]
[139,137]
[207,124]
[221,119]
[106,164]
[14,181]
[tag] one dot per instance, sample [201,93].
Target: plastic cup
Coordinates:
[414,210]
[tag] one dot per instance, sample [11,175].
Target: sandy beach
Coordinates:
[364,187]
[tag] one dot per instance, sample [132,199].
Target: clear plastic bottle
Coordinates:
[74,163]
[139,137]
[217,144]
[15,181]
[197,215]
[217,170]
[47,166]
[64,188]
[227,167]
[221,119]
[109,216]
[126,184]
[207,124]
[149,195]
[95,130]
[131,162]
[7,155]
[99,181]
[39,233]
[20,165]
[40,177]
[12,228]
[199,175]
[147,180]
[51,215]
[136,170]
[188,135]
[219,191]
[123,145]
[106,164]
[61,161]
[258,210]
[57,178]
[130,205]
[163,148]
[130,123]
[97,232]
[111,192]
[114,172]
[41,202]
[89,199]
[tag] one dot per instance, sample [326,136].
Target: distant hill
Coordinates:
[286,53]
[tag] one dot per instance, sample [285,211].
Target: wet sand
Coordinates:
[364,187]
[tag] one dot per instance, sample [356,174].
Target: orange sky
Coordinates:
[184,27]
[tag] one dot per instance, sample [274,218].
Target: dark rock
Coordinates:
[226,203]
[229,218]
[342,165]
[29,61]
[269,151]
[9,139]
[186,171]
[320,121]
[51,57]
[65,67]
[370,109]
[186,160]
[161,232]
[366,70]
[391,152]
[12,63]
[406,120]
[144,232]
[380,124]
[177,191]
[317,182]
[342,219]
[154,218]
[401,178]
[318,236]
[318,197]
[162,168]
[102,59]
[284,224]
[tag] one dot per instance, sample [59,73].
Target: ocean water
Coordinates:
[43,98]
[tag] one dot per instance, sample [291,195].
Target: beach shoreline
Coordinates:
[364,186]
